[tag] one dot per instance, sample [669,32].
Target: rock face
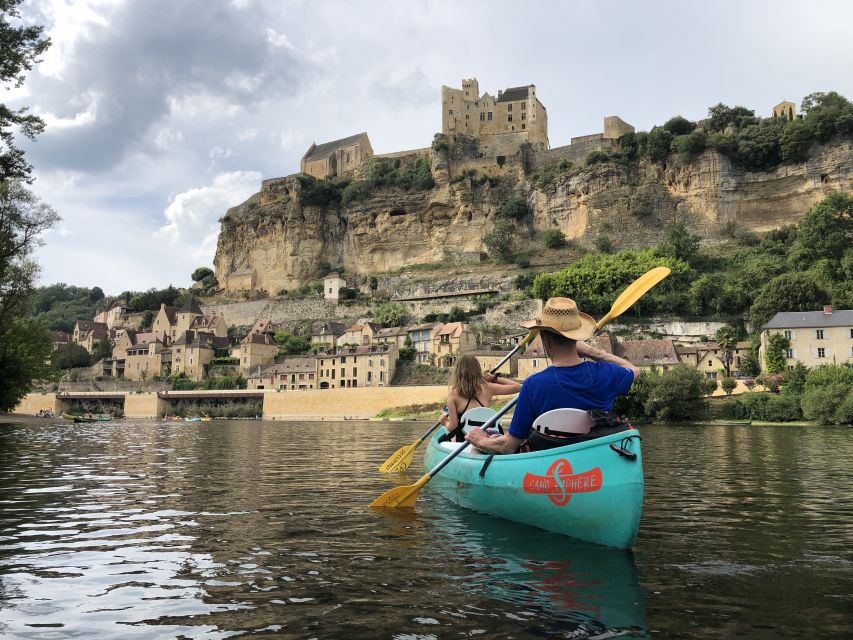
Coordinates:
[281,240]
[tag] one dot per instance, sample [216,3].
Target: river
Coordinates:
[261,529]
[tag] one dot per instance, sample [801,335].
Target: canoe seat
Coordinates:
[453,446]
[559,422]
[477,417]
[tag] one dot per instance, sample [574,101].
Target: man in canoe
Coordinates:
[571,382]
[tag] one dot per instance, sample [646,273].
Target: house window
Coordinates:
[818,334]
[450,112]
[311,375]
[509,118]
[489,116]
[509,107]
[524,116]
[789,353]
[711,375]
[466,116]
[330,289]
[369,376]
[535,363]
[523,106]
[482,116]
[381,376]
[348,156]
[821,352]
[524,126]
[354,372]
[382,363]
[851,334]
[710,363]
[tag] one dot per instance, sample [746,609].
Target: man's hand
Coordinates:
[476,435]
[588,351]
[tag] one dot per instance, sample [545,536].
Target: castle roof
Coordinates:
[191,306]
[324,150]
[511,94]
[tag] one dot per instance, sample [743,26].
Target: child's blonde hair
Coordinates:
[467,378]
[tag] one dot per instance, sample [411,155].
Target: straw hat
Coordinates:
[561,315]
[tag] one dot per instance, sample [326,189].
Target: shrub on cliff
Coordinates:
[554,239]
[500,241]
[516,208]
[390,314]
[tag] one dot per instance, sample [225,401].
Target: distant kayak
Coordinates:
[193,419]
[85,418]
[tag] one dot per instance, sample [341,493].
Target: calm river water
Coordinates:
[254,529]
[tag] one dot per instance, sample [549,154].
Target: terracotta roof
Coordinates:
[258,338]
[534,349]
[428,326]
[61,336]
[452,328]
[324,150]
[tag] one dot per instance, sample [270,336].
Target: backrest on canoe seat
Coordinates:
[559,422]
[477,417]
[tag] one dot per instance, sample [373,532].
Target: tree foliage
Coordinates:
[20,48]
[289,343]
[678,242]
[201,273]
[774,358]
[390,314]
[554,239]
[500,241]
[679,395]
[788,292]
[71,356]
[828,394]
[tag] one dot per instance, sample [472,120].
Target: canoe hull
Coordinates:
[586,491]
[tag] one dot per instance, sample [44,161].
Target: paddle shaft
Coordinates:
[632,293]
[489,423]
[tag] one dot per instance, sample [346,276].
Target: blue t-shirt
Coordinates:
[589,385]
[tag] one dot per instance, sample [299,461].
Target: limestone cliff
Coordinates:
[274,240]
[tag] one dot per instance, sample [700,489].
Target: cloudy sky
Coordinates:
[161,114]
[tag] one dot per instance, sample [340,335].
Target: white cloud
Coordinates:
[278,39]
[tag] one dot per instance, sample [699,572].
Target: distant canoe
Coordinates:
[193,419]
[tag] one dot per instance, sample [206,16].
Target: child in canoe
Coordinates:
[469,388]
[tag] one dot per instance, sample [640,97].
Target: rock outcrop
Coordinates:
[280,241]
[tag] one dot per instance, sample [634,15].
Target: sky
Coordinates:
[162,114]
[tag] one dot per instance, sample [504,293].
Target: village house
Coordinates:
[164,321]
[533,360]
[365,366]
[332,285]
[115,314]
[816,337]
[336,158]
[452,339]
[422,336]
[193,351]
[258,348]
[358,334]
[60,339]
[391,335]
[489,359]
[143,361]
[292,374]
[88,333]
[708,358]
[659,355]
[324,335]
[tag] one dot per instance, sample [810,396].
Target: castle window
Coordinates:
[482,116]
[348,154]
[490,116]
[509,118]
[524,116]
[466,116]
[466,93]
[509,107]
[523,105]
[450,112]
[523,126]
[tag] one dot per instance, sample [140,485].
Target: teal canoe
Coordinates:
[589,491]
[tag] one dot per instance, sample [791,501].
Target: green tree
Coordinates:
[750,365]
[678,242]
[726,337]
[774,358]
[788,292]
[20,48]
[70,356]
[407,352]
[516,208]
[679,126]
[289,343]
[679,395]
[554,239]
[721,117]
[500,241]
[201,273]
[25,343]
[728,385]
[825,232]
[828,394]
[390,314]
[603,243]
[456,314]
[795,380]
[658,143]
[373,283]
[103,349]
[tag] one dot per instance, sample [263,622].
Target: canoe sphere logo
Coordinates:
[559,483]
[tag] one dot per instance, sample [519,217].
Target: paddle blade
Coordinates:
[634,292]
[399,460]
[404,496]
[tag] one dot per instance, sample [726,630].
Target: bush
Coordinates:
[828,394]
[201,273]
[500,160]
[554,239]
[516,208]
[604,244]
[679,395]
[728,384]
[71,356]
[390,314]
[441,143]
[596,157]
[679,126]
[500,241]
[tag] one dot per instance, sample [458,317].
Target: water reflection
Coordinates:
[550,583]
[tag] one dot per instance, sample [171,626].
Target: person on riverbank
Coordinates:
[571,382]
[470,388]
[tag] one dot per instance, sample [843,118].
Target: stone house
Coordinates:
[115,314]
[60,339]
[452,339]
[660,355]
[164,321]
[707,357]
[422,336]
[292,374]
[489,359]
[258,348]
[324,335]
[364,366]
[533,360]
[785,110]
[332,284]
[193,351]
[502,123]
[143,360]
[358,334]
[88,333]
[336,158]
[816,337]
[391,335]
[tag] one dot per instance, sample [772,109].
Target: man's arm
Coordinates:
[599,355]
[502,444]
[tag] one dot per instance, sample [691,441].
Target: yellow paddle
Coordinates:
[405,496]
[632,293]
[402,457]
